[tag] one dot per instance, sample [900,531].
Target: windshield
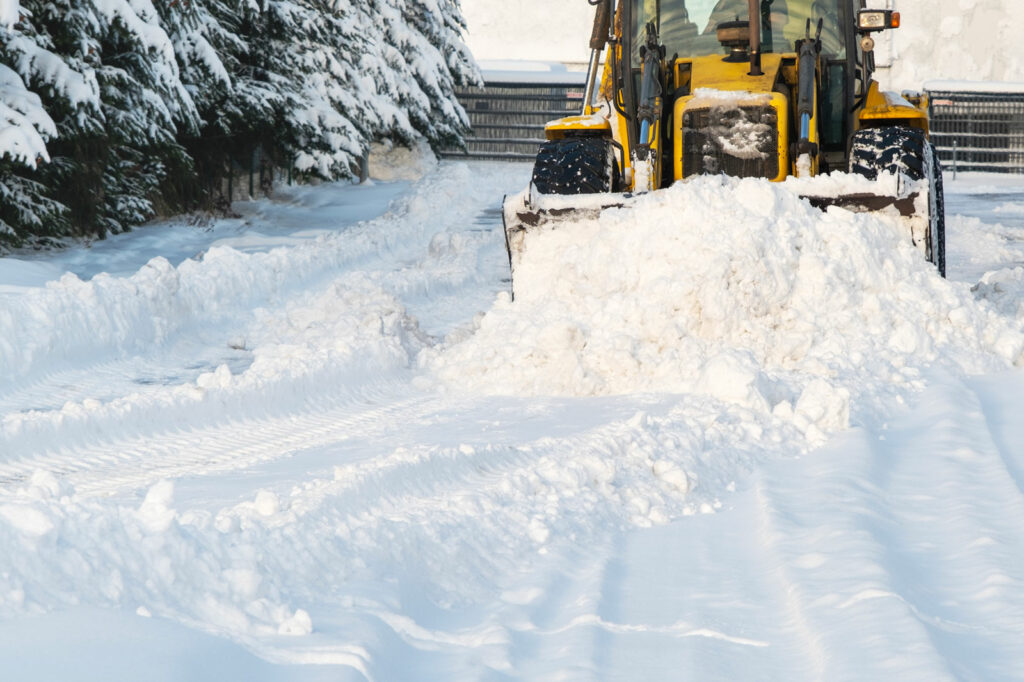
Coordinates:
[687,28]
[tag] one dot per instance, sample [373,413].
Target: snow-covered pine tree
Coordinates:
[27,207]
[237,97]
[308,50]
[198,40]
[107,75]
[276,109]
[144,105]
[134,92]
[24,129]
[332,123]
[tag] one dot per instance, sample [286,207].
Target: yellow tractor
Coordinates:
[749,88]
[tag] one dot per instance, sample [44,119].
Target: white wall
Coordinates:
[944,39]
[546,30]
[956,39]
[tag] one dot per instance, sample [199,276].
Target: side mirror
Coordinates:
[870,20]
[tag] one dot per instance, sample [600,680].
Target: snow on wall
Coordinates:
[949,39]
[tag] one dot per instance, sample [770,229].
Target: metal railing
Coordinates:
[508,118]
[978,131]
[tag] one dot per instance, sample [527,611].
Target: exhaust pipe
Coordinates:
[755,38]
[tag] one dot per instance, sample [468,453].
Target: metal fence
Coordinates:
[508,118]
[978,131]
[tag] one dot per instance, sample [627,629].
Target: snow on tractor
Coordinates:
[747,88]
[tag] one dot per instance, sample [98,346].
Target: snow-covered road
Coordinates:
[319,442]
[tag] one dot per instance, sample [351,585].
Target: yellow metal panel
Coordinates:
[715,73]
[596,125]
[622,126]
[881,106]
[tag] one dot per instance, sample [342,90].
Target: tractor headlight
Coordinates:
[877,20]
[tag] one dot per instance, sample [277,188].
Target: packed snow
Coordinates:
[319,441]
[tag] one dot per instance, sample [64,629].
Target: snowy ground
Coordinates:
[297,446]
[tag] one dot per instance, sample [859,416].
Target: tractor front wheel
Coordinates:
[576,165]
[901,149]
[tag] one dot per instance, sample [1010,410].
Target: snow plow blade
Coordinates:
[523,215]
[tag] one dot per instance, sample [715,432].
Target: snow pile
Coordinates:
[188,571]
[733,289]
[1004,289]
[389,161]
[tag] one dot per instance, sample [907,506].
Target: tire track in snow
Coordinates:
[108,380]
[907,517]
[107,467]
[1004,429]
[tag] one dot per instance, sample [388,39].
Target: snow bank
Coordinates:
[51,531]
[343,328]
[733,289]
[389,161]
[70,319]
[1004,289]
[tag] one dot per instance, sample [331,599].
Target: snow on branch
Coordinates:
[24,124]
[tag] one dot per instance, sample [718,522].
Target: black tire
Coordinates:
[576,165]
[900,149]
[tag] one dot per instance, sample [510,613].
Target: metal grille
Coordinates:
[508,118]
[708,142]
[975,131]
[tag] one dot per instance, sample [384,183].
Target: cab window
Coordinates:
[688,27]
